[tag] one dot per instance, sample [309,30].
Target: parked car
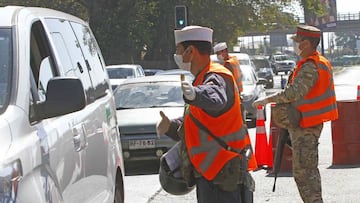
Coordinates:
[149,72]
[138,103]
[119,73]
[282,63]
[263,70]
[253,88]
[59,139]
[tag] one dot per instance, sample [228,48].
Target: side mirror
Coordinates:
[63,96]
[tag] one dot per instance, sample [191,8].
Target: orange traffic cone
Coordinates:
[261,144]
[358,93]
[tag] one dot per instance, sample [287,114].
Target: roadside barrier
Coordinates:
[345,133]
[286,158]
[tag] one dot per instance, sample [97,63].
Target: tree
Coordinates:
[76,8]
[347,40]
[128,31]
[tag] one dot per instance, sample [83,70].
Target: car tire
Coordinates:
[119,189]
[251,123]
[271,85]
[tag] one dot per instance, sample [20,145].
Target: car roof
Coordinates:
[123,66]
[153,78]
[176,71]
[239,56]
[9,13]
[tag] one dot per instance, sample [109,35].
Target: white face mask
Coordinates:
[296,48]
[220,57]
[179,62]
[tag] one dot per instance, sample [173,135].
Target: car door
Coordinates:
[100,162]
[70,60]
[97,124]
[61,165]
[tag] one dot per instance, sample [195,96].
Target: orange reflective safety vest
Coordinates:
[207,156]
[235,70]
[319,105]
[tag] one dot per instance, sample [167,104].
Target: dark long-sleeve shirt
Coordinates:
[215,96]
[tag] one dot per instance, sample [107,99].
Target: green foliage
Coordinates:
[347,40]
[76,8]
[127,30]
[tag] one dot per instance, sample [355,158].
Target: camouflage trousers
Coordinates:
[305,162]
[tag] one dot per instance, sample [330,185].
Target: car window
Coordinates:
[93,58]
[5,66]
[260,63]
[146,95]
[120,73]
[244,62]
[140,71]
[40,60]
[248,77]
[72,64]
[42,66]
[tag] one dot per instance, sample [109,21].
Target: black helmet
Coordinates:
[171,180]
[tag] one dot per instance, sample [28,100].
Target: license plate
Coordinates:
[141,144]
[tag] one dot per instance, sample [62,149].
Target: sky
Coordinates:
[346,6]
[343,6]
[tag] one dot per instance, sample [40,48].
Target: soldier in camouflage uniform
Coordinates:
[310,92]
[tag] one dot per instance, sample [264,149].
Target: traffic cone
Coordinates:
[261,144]
[358,93]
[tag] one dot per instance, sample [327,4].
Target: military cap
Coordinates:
[193,33]
[306,31]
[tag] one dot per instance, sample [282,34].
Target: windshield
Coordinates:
[244,62]
[5,65]
[120,73]
[259,63]
[149,95]
[248,77]
[282,58]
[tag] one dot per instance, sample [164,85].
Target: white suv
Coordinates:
[282,63]
[59,141]
[119,73]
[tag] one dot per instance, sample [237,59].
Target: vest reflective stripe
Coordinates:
[328,94]
[213,147]
[206,155]
[319,111]
[235,70]
[319,105]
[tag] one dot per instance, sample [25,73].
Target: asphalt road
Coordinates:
[340,183]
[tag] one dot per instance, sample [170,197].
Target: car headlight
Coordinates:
[10,175]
